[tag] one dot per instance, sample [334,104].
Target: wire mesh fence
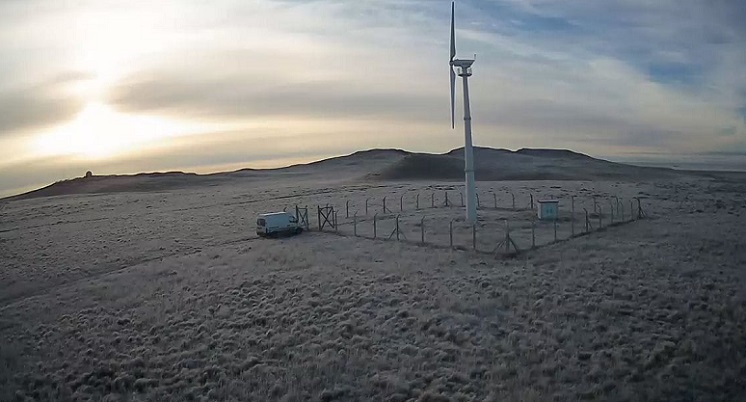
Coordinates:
[508,221]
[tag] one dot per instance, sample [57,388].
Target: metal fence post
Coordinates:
[446,198]
[533,233]
[422,230]
[347,208]
[336,226]
[450,231]
[384,205]
[587,222]
[479,204]
[513,196]
[639,209]
[474,236]
[572,217]
[616,201]
[532,202]
[354,224]
[375,231]
[397,227]
[417,202]
[462,198]
[494,197]
[366,206]
[401,203]
[308,221]
[432,200]
[507,237]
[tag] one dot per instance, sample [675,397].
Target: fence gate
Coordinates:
[327,217]
[302,215]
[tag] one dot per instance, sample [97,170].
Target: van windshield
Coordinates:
[260,222]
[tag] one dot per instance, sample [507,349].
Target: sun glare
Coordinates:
[105,43]
[100,132]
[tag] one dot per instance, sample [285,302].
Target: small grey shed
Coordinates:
[548,210]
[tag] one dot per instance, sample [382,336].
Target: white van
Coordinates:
[277,223]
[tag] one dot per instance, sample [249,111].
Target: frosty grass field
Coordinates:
[171,297]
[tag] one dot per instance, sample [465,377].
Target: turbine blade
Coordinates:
[453,30]
[453,98]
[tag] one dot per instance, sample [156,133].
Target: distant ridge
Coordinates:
[382,165]
[155,181]
[552,153]
[524,164]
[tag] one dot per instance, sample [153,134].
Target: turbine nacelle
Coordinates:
[464,67]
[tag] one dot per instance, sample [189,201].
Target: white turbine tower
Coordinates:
[464,70]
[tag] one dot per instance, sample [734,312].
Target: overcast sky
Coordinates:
[130,86]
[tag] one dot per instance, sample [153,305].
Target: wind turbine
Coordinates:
[464,71]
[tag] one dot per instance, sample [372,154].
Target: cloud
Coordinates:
[36,107]
[655,37]
[607,72]
[243,99]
